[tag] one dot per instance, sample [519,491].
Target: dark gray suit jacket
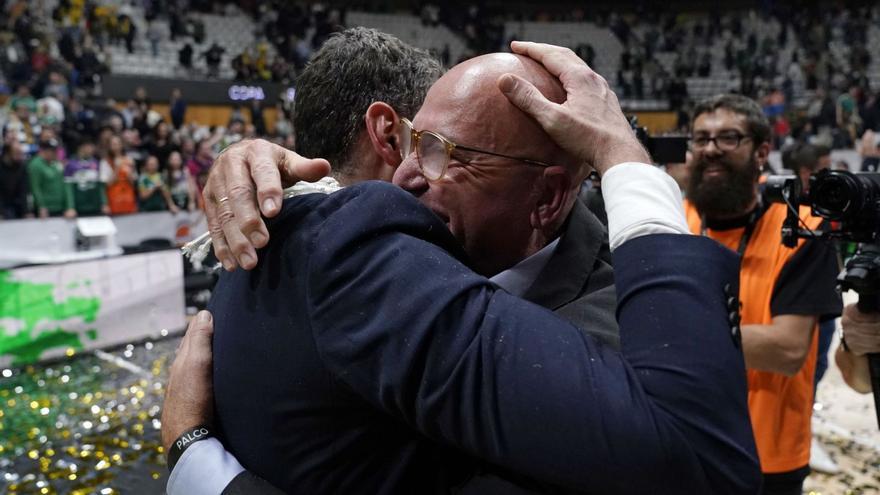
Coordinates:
[578,281]
[578,284]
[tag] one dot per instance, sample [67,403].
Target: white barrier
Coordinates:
[53,240]
[47,311]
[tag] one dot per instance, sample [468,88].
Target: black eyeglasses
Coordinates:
[726,141]
[434,151]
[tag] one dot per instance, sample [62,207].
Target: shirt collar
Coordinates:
[517,279]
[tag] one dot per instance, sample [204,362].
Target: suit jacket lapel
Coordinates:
[566,274]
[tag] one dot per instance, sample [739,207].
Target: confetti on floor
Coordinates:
[88,424]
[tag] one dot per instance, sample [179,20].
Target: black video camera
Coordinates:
[852,203]
[663,149]
[849,200]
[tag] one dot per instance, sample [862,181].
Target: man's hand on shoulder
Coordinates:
[246,180]
[189,393]
[589,124]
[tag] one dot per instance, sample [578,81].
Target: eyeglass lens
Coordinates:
[431,153]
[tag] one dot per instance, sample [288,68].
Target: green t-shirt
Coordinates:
[48,187]
[84,181]
[156,201]
[847,104]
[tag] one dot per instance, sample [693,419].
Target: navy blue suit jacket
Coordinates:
[363,356]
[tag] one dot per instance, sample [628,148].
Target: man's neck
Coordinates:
[732,220]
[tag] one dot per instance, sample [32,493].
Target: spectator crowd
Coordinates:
[67,152]
[117,158]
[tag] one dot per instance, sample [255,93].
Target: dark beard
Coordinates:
[726,195]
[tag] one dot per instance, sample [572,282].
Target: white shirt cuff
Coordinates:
[641,199]
[205,468]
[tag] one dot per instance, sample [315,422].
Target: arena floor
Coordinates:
[846,425]
[90,425]
[86,425]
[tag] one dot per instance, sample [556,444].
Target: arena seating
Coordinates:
[409,28]
[235,32]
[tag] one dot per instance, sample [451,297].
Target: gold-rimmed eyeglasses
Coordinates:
[433,151]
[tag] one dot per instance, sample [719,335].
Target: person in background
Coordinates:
[50,134]
[46,174]
[83,178]
[805,160]
[118,172]
[23,97]
[177,108]
[201,162]
[180,183]
[161,143]
[234,133]
[784,292]
[154,36]
[13,183]
[24,122]
[258,121]
[152,190]
[185,57]
[869,151]
[213,55]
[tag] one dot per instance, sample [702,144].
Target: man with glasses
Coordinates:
[572,277]
[558,258]
[398,370]
[784,291]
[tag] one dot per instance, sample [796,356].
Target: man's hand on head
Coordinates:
[189,393]
[248,177]
[589,124]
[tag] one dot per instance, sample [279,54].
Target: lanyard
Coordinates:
[747,234]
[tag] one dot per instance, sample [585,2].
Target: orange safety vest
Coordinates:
[780,407]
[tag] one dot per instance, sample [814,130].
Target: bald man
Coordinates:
[361,355]
[559,258]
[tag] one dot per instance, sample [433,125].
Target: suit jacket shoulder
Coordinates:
[578,281]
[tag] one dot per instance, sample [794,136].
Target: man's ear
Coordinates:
[554,201]
[383,127]
[762,152]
